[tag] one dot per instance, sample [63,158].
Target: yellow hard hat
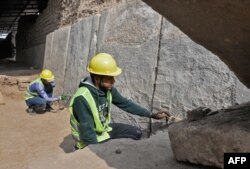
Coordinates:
[47,75]
[103,64]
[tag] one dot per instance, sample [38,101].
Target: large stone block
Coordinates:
[206,140]
[162,67]
[130,33]
[48,50]
[190,76]
[82,42]
[59,56]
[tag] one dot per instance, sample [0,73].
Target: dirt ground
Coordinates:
[44,142]
[25,137]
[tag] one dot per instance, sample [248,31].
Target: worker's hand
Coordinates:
[160,115]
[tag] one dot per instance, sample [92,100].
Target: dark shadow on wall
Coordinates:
[15,68]
[222,27]
[6,47]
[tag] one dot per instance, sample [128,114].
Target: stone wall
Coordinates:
[162,67]
[72,11]
[31,34]
[32,30]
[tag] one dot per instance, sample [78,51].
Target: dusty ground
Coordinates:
[43,141]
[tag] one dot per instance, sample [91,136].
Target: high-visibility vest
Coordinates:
[100,128]
[29,94]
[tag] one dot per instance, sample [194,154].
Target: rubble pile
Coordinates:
[13,86]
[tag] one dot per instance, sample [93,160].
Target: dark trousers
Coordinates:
[120,130]
[38,102]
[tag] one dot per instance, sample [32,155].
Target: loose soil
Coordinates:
[44,142]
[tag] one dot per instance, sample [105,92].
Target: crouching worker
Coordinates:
[39,94]
[90,107]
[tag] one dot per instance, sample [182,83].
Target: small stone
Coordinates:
[118,151]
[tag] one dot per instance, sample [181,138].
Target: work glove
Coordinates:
[160,115]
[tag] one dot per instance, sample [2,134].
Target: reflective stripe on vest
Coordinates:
[29,94]
[100,129]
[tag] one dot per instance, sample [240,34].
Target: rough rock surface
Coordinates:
[205,141]
[71,11]
[162,67]
[223,28]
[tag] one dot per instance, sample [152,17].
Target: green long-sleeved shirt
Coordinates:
[83,114]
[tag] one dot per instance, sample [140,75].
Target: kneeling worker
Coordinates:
[90,107]
[39,94]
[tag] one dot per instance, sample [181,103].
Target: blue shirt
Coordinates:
[44,91]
